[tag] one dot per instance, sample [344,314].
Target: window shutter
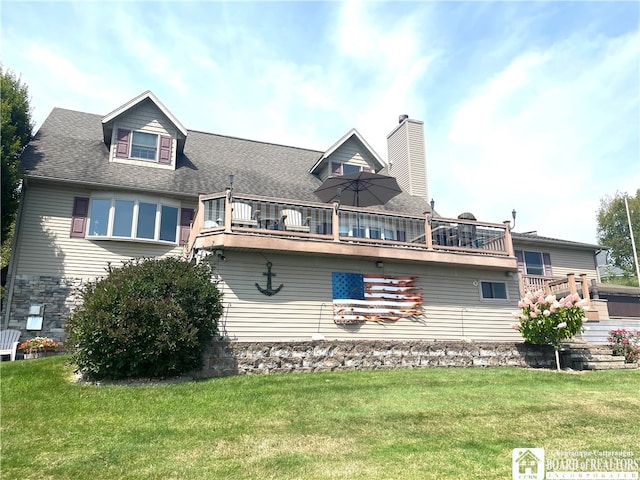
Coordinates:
[186,215]
[165,150]
[520,258]
[79,216]
[122,149]
[546,259]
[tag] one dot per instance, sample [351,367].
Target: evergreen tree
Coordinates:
[15,133]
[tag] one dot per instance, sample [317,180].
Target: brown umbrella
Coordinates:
[360,189]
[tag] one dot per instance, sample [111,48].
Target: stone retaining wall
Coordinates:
[225,358]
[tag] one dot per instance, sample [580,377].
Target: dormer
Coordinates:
[348,155]
[144,132]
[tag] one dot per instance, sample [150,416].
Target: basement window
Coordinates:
[493,290]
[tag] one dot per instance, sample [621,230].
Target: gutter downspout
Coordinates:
[15,250]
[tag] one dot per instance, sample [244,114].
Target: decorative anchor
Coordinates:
[269,291]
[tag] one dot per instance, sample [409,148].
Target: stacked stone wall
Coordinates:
[237,358]
[59,296]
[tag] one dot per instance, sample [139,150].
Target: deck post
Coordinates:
[508,243]
[227,210]
[335,222]
[571,280]
[427,230]
[585,287]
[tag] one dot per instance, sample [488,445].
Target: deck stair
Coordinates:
[578,354]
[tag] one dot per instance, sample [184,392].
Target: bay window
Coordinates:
[134,219]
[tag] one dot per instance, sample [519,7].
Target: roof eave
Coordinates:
[107,120]
[351,133]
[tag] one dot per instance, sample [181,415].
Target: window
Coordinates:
[347,169]
[119,218]
[534,263]
[144,145]
[493,290]
[338,168]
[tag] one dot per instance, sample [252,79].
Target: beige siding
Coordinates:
[565,260]
[46,248]
[145,117]
[349,152]
[452,305]
[407,158]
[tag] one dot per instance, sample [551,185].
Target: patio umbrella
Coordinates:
[360,189]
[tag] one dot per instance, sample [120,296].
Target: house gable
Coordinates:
[143,132]
[350,153]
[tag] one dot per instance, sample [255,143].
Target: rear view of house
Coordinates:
[99,190]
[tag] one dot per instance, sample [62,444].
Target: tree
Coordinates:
[15,132]
[613,231]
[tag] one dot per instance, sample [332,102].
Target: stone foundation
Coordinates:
[60,296]
[225,358]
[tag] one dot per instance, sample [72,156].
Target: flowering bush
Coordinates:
[39,344]
[547,321]
[627,343]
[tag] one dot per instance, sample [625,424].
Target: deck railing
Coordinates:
[247,214]
[559,286]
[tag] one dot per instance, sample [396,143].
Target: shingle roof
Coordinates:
[535,238]
[69,147]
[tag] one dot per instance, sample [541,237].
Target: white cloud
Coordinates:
[536,135]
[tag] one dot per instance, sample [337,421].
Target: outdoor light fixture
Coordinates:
[380,264]
[433,204]
[513,214]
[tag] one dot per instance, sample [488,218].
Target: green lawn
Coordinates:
[410,424]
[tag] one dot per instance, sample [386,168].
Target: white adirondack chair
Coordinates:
[9,343]
[293,221]
[242,214]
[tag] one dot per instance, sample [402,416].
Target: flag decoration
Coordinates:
[359,298]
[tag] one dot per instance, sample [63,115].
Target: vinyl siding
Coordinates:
[565,260]
[146,118]
[350,152]
[46,248]
[407,157]
[452,305]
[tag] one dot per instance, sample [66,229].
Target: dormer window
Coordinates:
[338,168]
[138,145]
[144,145]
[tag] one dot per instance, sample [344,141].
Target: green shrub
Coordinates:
[149,318]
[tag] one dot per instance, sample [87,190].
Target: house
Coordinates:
[99,190]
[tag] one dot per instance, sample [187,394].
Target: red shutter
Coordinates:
[186,215]
[165,150]
[546,259]
[520,258]
[79,216]
[122,150]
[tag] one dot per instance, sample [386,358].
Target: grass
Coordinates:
[410,424]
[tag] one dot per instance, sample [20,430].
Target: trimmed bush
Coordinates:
[149,318]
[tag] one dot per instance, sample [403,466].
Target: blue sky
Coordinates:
[526,105]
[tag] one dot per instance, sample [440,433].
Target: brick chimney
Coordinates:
[406,155]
